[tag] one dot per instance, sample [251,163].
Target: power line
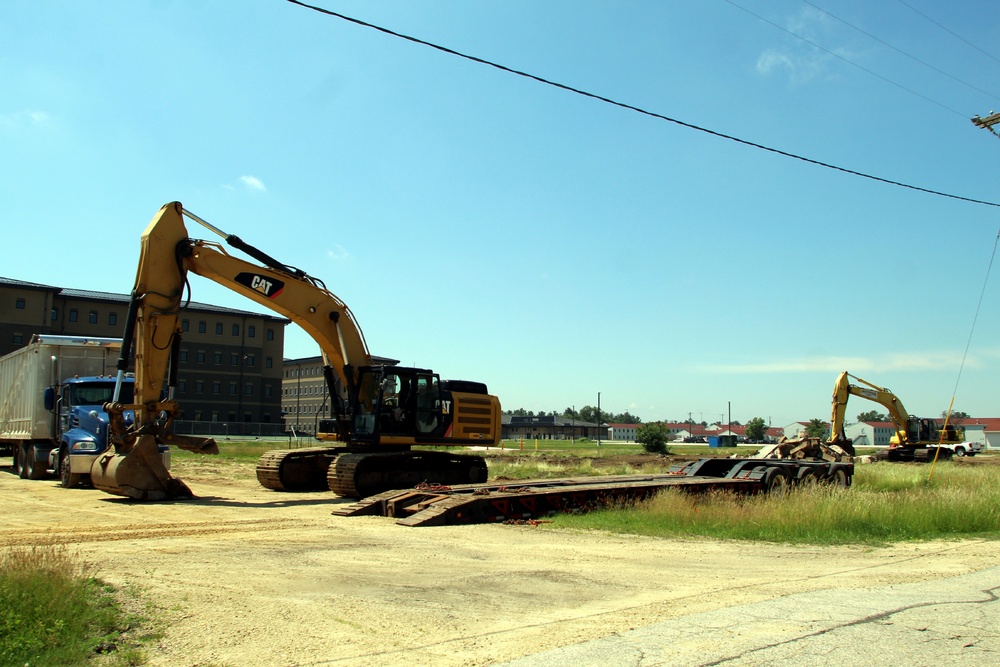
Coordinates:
[949,31]
[636,109]
[848,60]
[900,51]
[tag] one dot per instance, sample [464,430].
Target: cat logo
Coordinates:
[269,287]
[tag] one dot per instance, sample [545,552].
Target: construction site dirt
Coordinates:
[246,576]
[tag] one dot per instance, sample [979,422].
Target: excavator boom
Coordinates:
[383,408]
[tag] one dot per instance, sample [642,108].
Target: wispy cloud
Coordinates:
[809,56]
[253,183]
[338,253]
[923,361]
[23,119]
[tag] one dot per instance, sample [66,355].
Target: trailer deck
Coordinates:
[515,500]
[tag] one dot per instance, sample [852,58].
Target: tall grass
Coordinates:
[52,613]
[888,503]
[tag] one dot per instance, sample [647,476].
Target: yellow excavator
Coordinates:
[916,438]
[380,412]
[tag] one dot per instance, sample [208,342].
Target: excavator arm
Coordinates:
[167,256]
[844,389]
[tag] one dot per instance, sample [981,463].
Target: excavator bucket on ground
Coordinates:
[141,474]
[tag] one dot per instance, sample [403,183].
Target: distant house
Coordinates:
[622,432]
[870,434]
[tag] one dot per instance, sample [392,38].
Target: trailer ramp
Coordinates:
[435,505]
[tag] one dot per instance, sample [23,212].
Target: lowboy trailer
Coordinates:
[437,505]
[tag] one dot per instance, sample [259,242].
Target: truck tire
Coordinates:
[67,479]
[33,469]
[20,454]
[960,451]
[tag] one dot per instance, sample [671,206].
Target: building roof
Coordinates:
[114,297]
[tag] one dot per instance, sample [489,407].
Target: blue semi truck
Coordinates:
[52,396]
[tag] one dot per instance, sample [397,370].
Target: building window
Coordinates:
[268,362]
[251,331]
[202,327]
[182,386]
[92,317]
[18,338]
[233,388]
[216,387]
[184,356]
[197,415]
[250,361]
[19,303]
[234,359]
[249,391]
[267,391]
[236,330]
[112,318]
[73,315]
[218,328]
[54,314]
[270,334]
[217,358]
[199,387]
[185,325]
[200,357]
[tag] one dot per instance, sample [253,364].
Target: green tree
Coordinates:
[653,437]
[956,416]
[816,428]
[756,428]
[872,416]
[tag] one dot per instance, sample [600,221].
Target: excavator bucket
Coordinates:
[139,475]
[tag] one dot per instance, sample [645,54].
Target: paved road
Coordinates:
[954,621]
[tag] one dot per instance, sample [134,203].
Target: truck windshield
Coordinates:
[98,393]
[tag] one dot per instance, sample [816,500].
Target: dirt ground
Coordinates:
[243,576]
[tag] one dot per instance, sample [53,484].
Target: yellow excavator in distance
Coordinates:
[916,438]
[380,412]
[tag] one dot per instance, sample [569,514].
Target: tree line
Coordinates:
[587,413]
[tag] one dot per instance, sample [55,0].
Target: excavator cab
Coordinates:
[407,405]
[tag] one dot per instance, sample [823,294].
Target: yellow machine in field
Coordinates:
[380,412]
[916,438]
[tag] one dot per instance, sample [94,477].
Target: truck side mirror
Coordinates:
[49,397]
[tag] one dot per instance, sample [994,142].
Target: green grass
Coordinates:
[888,503]
[52,613]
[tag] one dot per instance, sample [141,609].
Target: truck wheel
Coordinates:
[20,457]
[33,469]
[68,480]
[960,452]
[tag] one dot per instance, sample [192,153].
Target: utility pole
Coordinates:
[988,122]
[598,419]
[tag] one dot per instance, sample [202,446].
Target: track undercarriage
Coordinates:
[357,473]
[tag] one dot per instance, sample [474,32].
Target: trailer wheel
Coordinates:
[807,478]
[839,478]
[775,481]
[33,470]
[18,454]
[68,480]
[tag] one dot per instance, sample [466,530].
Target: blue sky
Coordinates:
[553,246]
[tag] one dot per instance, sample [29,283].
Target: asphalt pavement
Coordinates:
[952,621]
